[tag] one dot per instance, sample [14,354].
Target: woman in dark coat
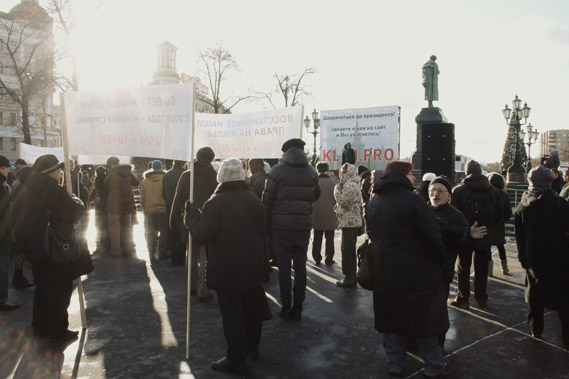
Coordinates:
[408,293]
[499,235]
[45,201]
[542,226]
[233,225]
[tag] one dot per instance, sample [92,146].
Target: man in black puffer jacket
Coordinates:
[290,190]
[233,225]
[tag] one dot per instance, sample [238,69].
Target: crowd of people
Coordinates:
[245,217]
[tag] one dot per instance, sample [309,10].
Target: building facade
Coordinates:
[26,56]
[558,140]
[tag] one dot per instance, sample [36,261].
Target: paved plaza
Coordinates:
[136,315]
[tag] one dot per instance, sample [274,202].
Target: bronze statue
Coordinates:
[431,80]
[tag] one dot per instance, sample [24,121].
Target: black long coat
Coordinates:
[409,297]
[46,201]
[542,226]
[233,225]
[499,237]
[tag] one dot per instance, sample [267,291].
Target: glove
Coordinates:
[192,210]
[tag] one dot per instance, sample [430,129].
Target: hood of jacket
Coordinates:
[392,181]
[295,157]
[533,198]
[154,175]
[351,175]
[477,182]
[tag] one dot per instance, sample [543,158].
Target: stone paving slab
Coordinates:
[136,315]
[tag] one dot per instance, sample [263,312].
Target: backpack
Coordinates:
[480,207]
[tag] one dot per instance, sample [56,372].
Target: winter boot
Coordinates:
[490,268]
[19,281]
[505,269]
[286,312]
[297,312]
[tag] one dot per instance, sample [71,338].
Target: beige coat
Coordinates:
[151,195]
[349,200]
[323,215]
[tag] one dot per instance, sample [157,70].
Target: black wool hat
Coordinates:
[205,154]
[473,167]
[294,142]
[443,181]
[4,162]
[47,163]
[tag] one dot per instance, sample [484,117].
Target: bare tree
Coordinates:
[28,79]
[217,63]
[291,87]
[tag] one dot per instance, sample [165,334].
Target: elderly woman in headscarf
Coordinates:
[348,208]
[542,227]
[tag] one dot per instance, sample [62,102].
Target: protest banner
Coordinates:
[372,132]
[30,153]
[153,121]
[248,135]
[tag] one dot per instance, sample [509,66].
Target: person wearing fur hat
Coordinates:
[541,225]
[479,202]
[291,189]
[154,208]
[349,211]
[120,206]
[205,183]
[233,225]
[499,238]
[45,201]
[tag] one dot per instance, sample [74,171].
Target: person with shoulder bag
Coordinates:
[47,203]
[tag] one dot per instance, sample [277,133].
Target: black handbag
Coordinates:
[64,250]
[364,276]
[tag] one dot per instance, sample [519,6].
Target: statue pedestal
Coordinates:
[432,115]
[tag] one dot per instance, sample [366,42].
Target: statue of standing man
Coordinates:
[431,80]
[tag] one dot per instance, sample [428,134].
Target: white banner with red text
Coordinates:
[153,121]
[372,132]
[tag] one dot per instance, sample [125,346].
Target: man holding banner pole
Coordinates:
[205,183]
[290,190]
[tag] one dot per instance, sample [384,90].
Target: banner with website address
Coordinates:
[248,135]
[372,132]
[154,121]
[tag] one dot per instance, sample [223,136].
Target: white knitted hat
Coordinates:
[231,170]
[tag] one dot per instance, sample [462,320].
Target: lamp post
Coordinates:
[314,131]
[514,116]
[532,139]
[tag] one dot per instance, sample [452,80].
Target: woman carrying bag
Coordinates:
[46,202]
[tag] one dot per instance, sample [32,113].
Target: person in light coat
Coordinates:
[349,211]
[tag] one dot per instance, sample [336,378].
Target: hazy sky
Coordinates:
[367,53]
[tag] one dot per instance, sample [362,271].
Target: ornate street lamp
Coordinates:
[314,131]
[532,139]
[514,116]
